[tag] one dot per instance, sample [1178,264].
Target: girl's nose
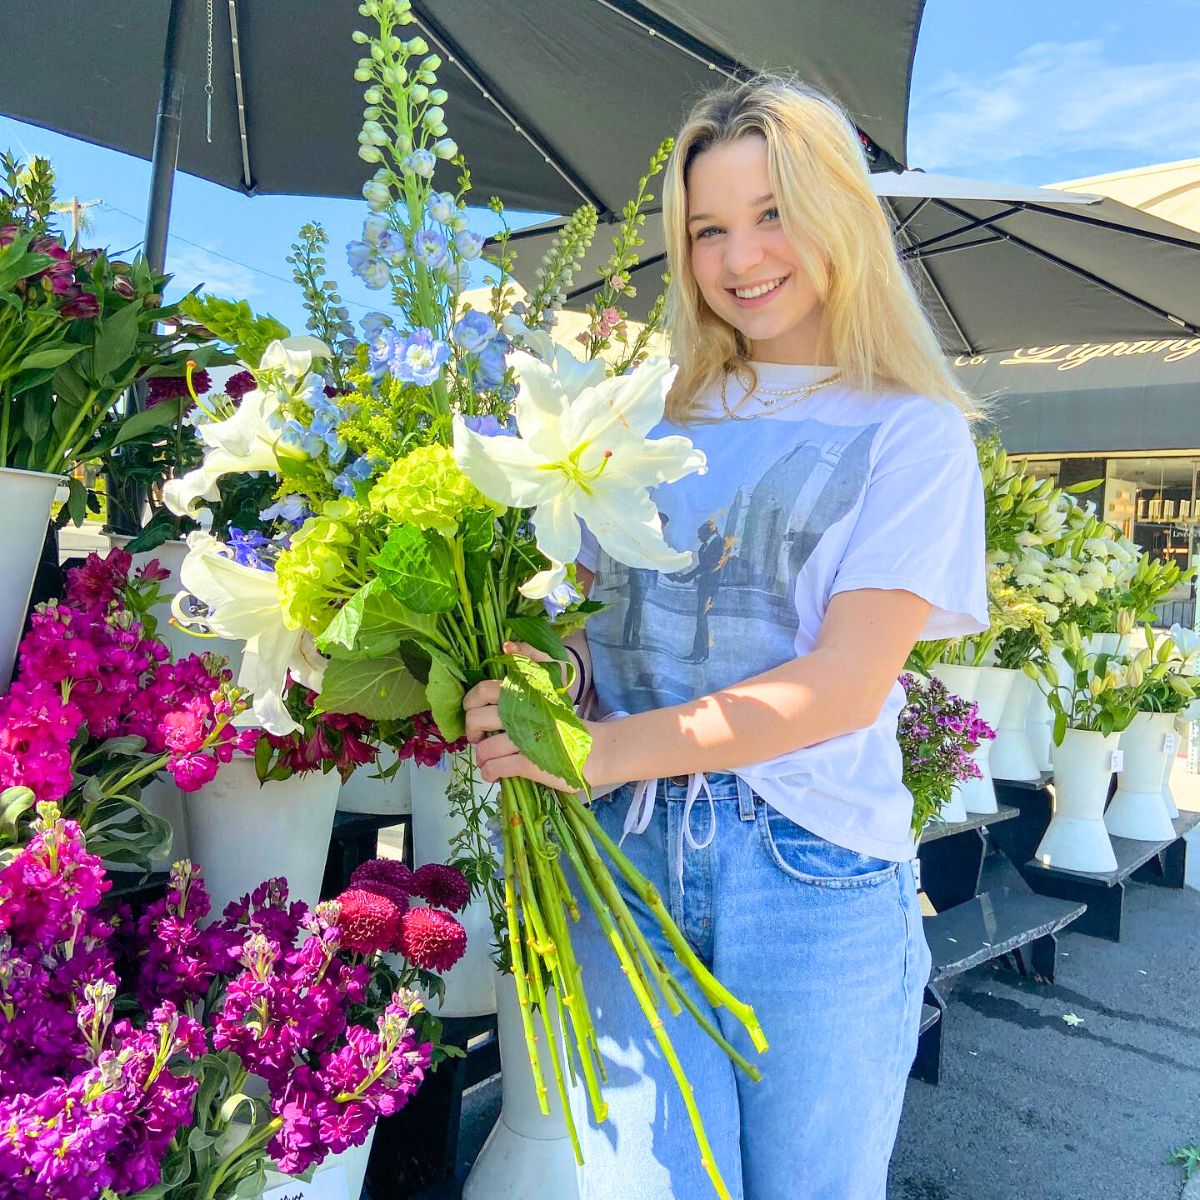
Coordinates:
[743,253]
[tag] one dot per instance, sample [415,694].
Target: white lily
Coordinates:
[582,453]
[248,440]
[573,374]
[243,604]
[1186,640]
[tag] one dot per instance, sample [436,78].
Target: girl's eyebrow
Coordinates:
[753,204]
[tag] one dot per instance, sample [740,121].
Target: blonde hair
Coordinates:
[876,331]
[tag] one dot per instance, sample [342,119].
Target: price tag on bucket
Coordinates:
[1118,761]
[1170,741]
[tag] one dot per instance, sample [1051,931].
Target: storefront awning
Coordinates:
[1096,397]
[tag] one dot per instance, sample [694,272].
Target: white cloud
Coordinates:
[1056,98]
[191,266]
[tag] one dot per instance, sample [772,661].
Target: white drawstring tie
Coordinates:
[641,812]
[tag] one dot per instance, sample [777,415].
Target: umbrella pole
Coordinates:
[166,131]
[123,517]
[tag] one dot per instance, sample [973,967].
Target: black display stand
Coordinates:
[1162,864]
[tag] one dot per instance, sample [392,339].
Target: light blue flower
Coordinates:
[291,508]
[373,323]
[468,244]
[374,227]
[301,438]
[560,599]
[422,163]
[473,332]
[380,350]
[419,358]
[391,246]
[490,366]
[456,275]
[359,471]
[489,426]
[441,207]
[429,247]
[335,448]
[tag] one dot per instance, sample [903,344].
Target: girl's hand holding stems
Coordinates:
[839,687]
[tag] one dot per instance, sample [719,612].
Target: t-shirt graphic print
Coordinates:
[841,492]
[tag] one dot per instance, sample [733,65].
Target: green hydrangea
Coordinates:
[318,572]
[425,488]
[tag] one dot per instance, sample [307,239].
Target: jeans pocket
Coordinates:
[808,857]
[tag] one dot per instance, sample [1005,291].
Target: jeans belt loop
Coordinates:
[745,799]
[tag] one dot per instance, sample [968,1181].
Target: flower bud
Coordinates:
[377,52]
[359,37]
[371,112]
[370,154]
[373,95]
[419,93]
[375,133]
[395,45]
[438,96]
[434,114]
[362,76]
[446,148]
[417,45]
[438,130]
[431,63]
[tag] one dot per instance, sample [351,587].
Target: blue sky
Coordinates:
[1029,91]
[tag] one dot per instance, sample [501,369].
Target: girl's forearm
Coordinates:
[800,703]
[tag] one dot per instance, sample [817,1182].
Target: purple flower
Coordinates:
[559,600]
[252,548]
[489,426]
[468,244]
[441,207]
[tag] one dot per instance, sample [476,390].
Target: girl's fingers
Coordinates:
[483,695]
[527,650]
[482,721]
[494,746]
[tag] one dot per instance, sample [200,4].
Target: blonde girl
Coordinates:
[751,721]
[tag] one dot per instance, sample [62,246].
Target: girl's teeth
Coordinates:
[751,293]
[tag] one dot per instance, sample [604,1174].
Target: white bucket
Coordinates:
[240,832]
[1137,810]
[366,792]
[1076,838]
[25,501]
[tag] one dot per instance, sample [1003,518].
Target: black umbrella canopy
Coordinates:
[998,265]
[553,101]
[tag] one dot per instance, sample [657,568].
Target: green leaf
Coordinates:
[538,632]
[478,529]
[372,623]
[77,496]
[116,341]
[445,692]
[417,567]
[381,689]
[15,802]
[1060,727]
[541,723]
[53,357]
[1077,489]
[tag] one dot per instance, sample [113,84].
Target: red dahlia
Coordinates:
[431,939]
[385,870]
[442,886]
[369,922]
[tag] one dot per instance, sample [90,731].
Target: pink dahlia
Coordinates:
[442,886]
[431,939]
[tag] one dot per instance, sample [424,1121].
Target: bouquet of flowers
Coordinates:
[97,711]
[126,1046]
[430,508]
[77,329]
[1158,677]
[1099,693]
[938,732]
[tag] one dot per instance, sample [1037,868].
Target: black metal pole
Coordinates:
[127,498]
[166,131]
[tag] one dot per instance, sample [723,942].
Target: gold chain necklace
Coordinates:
[792,395]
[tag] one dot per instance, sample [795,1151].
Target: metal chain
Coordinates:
[208,87]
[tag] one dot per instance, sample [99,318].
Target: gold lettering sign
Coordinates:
[1067,357]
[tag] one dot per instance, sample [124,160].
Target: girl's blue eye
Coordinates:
[770,214]
[706,231]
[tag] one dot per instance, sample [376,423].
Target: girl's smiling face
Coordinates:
[747,270]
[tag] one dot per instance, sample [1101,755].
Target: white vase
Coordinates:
[527,1153]
[338,1177]
[963,682]
[241,832]
[471,982]
[1168,766]
[1039,728]
[1137,809]
[26,498]
[1012,754]
[1109,643]
[991,695]
[1077,839]
[366,792]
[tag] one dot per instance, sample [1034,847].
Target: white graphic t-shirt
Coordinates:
[837,492]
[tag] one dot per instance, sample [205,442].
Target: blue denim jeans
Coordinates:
[825,943]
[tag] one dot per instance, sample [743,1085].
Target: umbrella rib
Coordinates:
[455,55]
[968,345]
[918,208]
[1166,238]
[657,26]
[235,48]
[1088,276]
[971,224]
[985,241]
